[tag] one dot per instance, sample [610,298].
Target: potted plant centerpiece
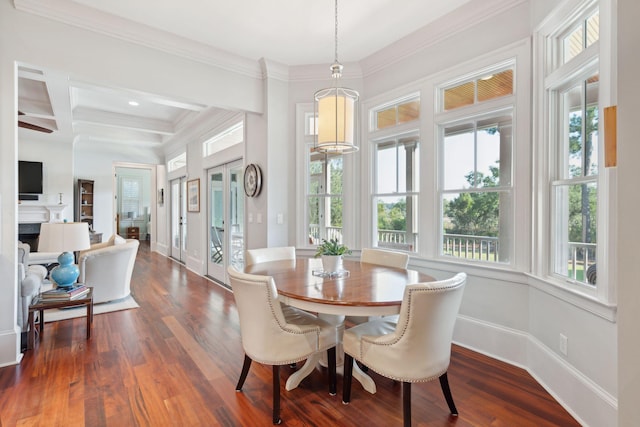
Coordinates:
[331,252]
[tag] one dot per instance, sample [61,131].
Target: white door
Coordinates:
[226,219]
[178,218]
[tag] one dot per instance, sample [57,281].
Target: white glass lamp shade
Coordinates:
[65,237]
[336,111]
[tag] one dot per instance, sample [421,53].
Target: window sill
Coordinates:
[585,302]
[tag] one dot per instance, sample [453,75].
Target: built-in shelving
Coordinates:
[84,206]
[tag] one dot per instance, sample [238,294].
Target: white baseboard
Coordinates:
[587,402]
[9,342]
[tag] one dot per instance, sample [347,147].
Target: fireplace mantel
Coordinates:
[29,214]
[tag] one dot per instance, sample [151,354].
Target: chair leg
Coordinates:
[276,394]
[245,371]
[444,383]
[346,379]
[331,365]
[406,403]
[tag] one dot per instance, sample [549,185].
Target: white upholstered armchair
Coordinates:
[107,267]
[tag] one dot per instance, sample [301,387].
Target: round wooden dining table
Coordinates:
[361,289]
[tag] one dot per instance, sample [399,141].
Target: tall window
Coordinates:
[324,200]
[324,190]
[476,190]
[573,94]
[130,196]
[395,197]
[396,174]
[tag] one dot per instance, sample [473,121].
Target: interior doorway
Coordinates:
[134,201]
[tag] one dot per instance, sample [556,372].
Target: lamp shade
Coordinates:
[336,111]
[64,237]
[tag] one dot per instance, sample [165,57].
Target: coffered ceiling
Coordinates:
[291,32]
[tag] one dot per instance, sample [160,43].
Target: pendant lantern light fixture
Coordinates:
[336,111]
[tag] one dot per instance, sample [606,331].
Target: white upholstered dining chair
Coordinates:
[417,348]
[255,256]
[384,257]
[276,335]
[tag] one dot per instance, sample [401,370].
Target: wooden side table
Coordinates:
[133,233]
[40,305]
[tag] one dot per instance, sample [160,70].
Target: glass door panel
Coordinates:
[226,219]
[178,219]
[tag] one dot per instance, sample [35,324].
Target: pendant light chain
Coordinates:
[336,111]
[336,12]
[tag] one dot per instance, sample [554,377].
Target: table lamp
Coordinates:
[65,237]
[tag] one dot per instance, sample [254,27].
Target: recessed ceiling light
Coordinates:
[134,103]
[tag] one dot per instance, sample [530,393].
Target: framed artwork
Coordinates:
[193,195]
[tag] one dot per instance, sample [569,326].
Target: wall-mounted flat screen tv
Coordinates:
[29,179]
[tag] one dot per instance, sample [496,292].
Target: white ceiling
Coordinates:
[291,32]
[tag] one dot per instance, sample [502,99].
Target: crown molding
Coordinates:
[455,22]
[274,70]
[72,13]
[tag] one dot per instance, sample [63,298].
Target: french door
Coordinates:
[178,218]
[226,219]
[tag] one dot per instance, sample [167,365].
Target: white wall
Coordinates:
[628,62]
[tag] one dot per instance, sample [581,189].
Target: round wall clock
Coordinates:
[252,180]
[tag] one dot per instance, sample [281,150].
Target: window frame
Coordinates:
[395,138]
[480,110]
[503,106]
[554,74]
[304,143]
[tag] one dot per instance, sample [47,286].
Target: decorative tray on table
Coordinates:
[331,274]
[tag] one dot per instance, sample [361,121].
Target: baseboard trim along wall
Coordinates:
[585,400]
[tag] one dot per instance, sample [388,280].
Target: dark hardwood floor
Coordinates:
[175,362]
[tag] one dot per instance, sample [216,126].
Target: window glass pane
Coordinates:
[459,96]
[335,174]
[397,226]
[576,207]
[581,105]
[408,111]
[593,28]
[459,153]
[494,140]
[387,168]
[495,85]
[310,124]
[325,185]
[408,165]
[573,44]
[177,162]
[472,228]
[313,208]
[225,139]
[316,172]
[386,118]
